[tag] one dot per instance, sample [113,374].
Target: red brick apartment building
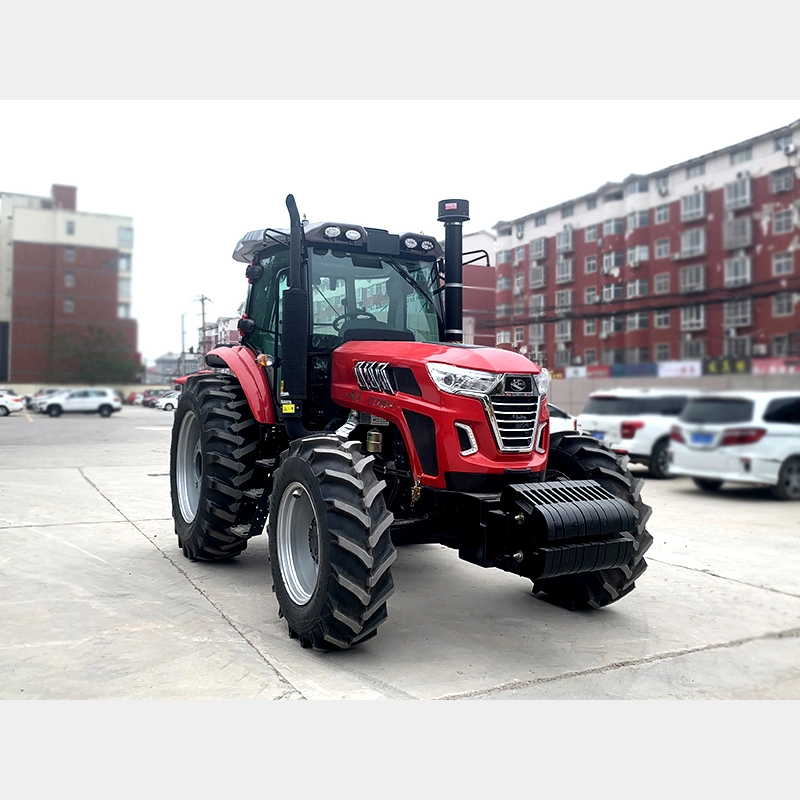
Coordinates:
[65,287]
[692,261]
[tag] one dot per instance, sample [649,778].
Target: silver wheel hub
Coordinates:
[189,467]
[791,479]
[297,541]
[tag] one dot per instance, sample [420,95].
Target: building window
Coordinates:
[613,226]
[124,310]
[661,319]
[737,233]
[70,227]
[124,287]
[539,248]
[590,295]
[520,229]
[567,211]
[540,220]
[518,335]
[738,314]
[591,264]
[662,248]
[504,257]
[591,203]
[503,283]
[782,305]
[693,279]
[637,321]
[782,264]
[69,254]
[564,330]
[782,180]
[537,333]
[615,355]
[126,238]
[737,271]
[612,196]
[635,355]
[693,206]
[615,259]
[124,263]
[590,356]
[638,219]
[503,337]
[737,194]
[519,255]
[609,325]
[611,292]
[563,358]
[638,254]
[69,306]
[504,232]
[637,288]
[519,282]
[740,156]
[564,270]
[637,187]
[782,141]
[662,214]
[564,241]
[536,305]
[782,221]
[780,346]
[590,234]
[693,348]
[504,309]
[693,242]
[662,184]
[737,346]
[693,318]
[661,283]
[537,277]
[696,170]
[69,279]
[564,300]
[519,307]
[590,327]
[662,352]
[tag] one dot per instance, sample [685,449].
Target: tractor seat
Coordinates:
[367,330]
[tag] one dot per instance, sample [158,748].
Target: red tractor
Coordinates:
[351,418]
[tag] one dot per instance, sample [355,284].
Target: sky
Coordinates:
[197,175]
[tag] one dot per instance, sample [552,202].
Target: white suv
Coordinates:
[636,422]
[87,401]
[745,437]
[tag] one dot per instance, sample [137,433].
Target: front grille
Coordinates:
[513,416]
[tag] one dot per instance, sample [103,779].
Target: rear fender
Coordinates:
[253,378]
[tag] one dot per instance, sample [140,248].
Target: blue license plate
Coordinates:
[702,438]
[598,435]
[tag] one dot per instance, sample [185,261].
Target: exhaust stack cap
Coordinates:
[453,210]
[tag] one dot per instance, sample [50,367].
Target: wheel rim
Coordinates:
[791,479]
[298,543]
[189,466]
[662,461]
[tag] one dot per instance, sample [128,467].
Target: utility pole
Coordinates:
[203,300]
[183,348]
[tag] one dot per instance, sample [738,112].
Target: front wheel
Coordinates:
[54,411]
[788,486]
[168,407]
[576,456]
[4,412]
[329,543]
[659,460]
[105,411]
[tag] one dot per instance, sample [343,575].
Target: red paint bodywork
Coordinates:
[445,409]
[242,362]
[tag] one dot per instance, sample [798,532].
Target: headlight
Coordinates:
[457,380]
[543,381]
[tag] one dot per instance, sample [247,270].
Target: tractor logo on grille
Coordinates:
[519,384]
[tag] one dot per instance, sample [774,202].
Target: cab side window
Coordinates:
[784,409]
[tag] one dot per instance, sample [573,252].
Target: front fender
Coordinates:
[242,363]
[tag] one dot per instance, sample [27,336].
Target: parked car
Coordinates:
[33,401]
[560,420]
[9,403]
[636,422]
[86,401]
[151,395]
[168,401]
[743,437]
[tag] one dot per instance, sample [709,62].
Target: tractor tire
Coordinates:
[659,460]
[215,442]
[576,456]
[707,485]
[329,543]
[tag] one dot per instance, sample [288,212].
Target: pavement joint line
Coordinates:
[37,525]
[632,662]
[725,577]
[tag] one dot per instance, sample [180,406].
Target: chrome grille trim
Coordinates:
[373,376]
[513,417]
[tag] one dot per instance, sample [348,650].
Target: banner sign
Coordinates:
[598,371]
[726,365]
[645,370]
[679,369]
[575,372]
[775,366]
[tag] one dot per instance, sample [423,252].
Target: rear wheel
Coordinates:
[659,460]
[707,485]
[212,459]
[105,411]
[788,486]
[4,412]
[576,456]
[168,407]
[329,543]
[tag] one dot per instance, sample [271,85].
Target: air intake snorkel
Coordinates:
[453,213]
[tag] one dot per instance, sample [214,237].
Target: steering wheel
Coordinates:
[351,315]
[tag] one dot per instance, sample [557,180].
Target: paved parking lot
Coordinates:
[98,602]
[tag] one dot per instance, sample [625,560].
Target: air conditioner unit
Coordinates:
[743,174]
[662,190]
[729,332]
[604,335]
[790,149]
[676,256]
[599,242]
[561,346]
[760,350]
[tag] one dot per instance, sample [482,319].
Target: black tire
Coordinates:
[4,412]
[788,486]
[659,460]
[576,456]
[168,407]
[213,409]
[105,411]
[331,567]
[54,411]
[707,485]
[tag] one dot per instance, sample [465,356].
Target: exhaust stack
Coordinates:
[453,213]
